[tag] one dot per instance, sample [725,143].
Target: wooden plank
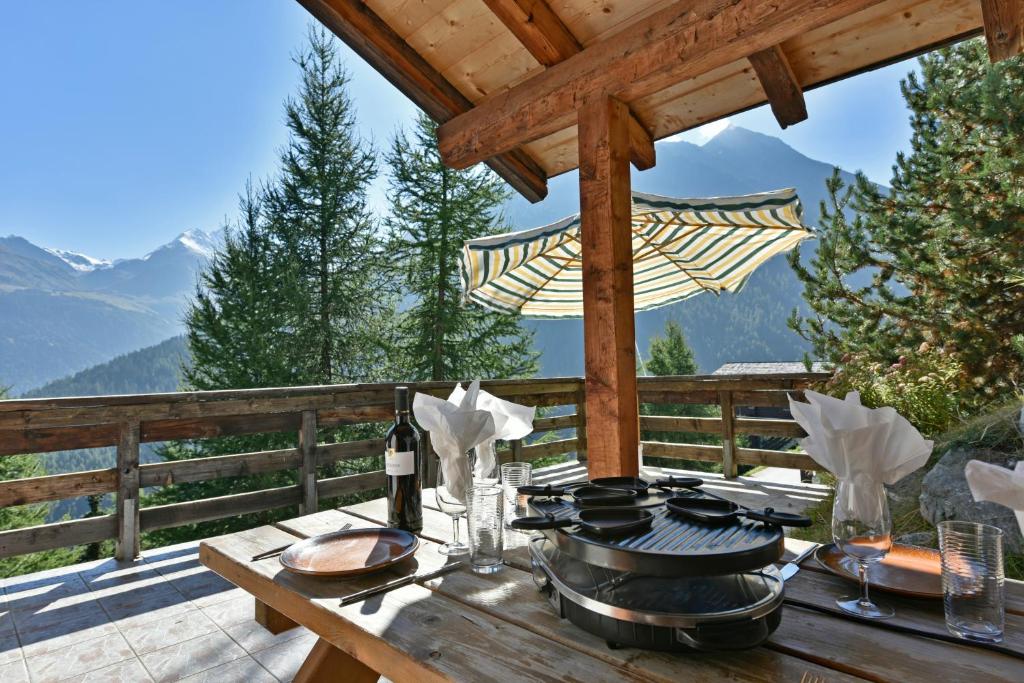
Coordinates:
[327,664]
[581,425]
[1004,28]
[780,85]
[764,426]
[546,449]
[270,619]
[60,535]
[376,42]
[330,417]
[57,487]
[128,534]
[194,511]
[699,425]
[538,28]
[202,469]
[766,399]
[349,450]
[307,467]
[684,40]
[780,382]
[708,397]
[770,458]
[547,424]
[213,427]
[728,435]
[683,451]
[13,442]
[608,326]
[352,483]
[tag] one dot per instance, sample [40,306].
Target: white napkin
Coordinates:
[511,421]
[859,444]
[998,485]
[455,426]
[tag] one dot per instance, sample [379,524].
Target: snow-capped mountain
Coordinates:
[81,262]
[63,311]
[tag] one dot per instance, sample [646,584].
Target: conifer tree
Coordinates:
[434,209]
[932,265]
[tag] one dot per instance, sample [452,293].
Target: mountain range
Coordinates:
[63,312]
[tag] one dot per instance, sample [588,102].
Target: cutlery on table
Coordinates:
[398,583]
[790,569]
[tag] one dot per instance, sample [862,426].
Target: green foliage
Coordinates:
[939,258]
[671,355]
[155,368]
[998,429]
[925,386]
[434,209]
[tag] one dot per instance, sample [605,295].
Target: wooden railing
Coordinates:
[125,422]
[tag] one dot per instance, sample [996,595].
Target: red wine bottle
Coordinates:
[403,465]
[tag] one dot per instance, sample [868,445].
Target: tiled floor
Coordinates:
[162,618]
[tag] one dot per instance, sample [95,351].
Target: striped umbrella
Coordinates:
[681,247]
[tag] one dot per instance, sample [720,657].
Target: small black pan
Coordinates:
[603,522]
[718,511]
[642,486]
[584,496]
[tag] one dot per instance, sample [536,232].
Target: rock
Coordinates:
[945,495]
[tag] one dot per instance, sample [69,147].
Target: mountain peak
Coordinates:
[83,263]
[198,242]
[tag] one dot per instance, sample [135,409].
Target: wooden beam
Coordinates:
[613,433]
[1004,28]
[128,530]
[550,41]
[307,470]
[371,38]
[684,40]
[780,85]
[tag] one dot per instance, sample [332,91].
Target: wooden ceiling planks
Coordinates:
[472,49]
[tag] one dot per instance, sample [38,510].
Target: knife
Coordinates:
[790,569]
[398,583]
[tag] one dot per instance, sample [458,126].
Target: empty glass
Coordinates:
[451,505]
[514,475]
[862,528]
[485,452]
[485,503]
[972,580]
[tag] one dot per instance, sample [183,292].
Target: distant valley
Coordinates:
[62,313]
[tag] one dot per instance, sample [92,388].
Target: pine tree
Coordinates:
[300,294]
[434,209]
[317,209]
[932,265]
[671,355]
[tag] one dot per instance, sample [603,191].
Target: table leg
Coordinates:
[327,664]
[272,620]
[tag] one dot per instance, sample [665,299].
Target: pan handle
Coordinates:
[547,491]
[679,483]
[770,516]
[539,523]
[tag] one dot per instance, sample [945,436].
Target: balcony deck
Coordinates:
[165,617]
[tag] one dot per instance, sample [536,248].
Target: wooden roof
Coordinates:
[507,75]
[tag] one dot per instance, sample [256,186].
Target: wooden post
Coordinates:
[128,492]
[1004,28]
[613,430]
[270,619]
[430,473]
[581,426]
[307,470]
[728,434]
[517,449]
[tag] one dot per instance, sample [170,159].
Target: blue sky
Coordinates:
[125,123]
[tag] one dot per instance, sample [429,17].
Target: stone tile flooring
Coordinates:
[162,618]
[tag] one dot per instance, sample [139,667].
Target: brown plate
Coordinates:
[349,552]
[906,570]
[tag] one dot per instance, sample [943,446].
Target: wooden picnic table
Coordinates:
[468,627]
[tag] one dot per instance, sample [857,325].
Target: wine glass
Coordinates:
[862,529]
[451,505]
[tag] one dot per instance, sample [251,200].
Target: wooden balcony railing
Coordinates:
[125,422]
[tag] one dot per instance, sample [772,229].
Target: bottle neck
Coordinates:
[402,416]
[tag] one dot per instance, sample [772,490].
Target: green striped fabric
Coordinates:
[681,247]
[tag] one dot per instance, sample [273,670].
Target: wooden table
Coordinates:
[467,627]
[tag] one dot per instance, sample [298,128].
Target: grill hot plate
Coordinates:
[673,547]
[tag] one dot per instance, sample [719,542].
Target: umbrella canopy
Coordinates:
[681,247]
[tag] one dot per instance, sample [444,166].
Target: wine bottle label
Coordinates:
[398,463]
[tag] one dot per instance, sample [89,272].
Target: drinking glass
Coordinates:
[862,528]
[514,475]
[972,580]
[451,505]
[485,503]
